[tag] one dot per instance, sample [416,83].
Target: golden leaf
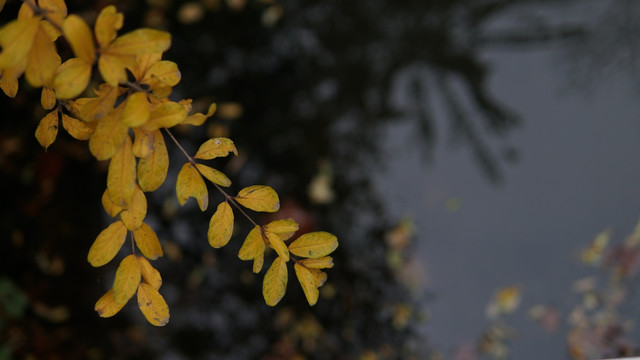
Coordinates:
[80,130]
[258,261]
[16,39]
[121,177]
[80,38]
[143,63]
[106,306]
[149,274]
[152,170]
[324,262]
[107,24]
[213,175]
[285,228]
[56,11]
[91,109]
[308,282]
[259,198]
[147,241]
[314,244]
[278,245]
[107,244]
[43,60]
[143,143]
[128,277]
[112,69]
[161,74]
[109,206]
[253,245]
[109,135]
[190,184]
[47,98]
[221,226]
[321,276]
[72,78]
[198,119]
[216,147]
[152,305]
[136,109]
[47,129]
[275,280]
[141,41]
[9,80]
[167,115]
[135,211]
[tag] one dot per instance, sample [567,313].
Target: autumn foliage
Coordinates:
[125,119]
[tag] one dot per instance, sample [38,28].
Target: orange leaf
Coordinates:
[153,306]
[147,241]
[127,279]
[107,244]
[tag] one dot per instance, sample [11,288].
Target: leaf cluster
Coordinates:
[125,119]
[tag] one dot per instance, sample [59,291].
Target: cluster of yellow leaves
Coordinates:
[133,99]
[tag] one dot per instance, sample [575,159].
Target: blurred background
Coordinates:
[478,161]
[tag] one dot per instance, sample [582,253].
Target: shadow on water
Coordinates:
[308,91]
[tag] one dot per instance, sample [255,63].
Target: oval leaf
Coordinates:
[43,60]
[278,245]
[253,245]
[109,206]
[80,38]
[221,226]
[135,211]
[191,184]
[127,279]
[308,282]
[149,274]
[141,41]
[274,285]
[72,78]
[152,305]
[147,241]
[47,129]
[109,135]
[285,228]
[80,130]
[106,306]
[324,262]
[314,245]
[216,147]
[107,244]
[121,177]
[152,170]
[136,110]
[213,175]
[259,198]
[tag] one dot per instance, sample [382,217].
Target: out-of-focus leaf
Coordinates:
[72,78]
[47,129]
[136,109]
[109,135]
[79,130]
[80,38]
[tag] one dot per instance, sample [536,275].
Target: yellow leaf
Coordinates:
[141,41]
[143,143]
[16,39]
[107,244]
[112,69]
[127,279]
[278,245]
[47,98]
[80,130]
[149,274]
[321,276]
[213,175]
[314,244]
[147,241]
[162,74]
[136,109]
[275,280]
[9,80]
[106,306]
[221,226]
[121,177]
[324,262]
[198,119]
[168,114]
[308,282]
[95,108]
[47,129]
[109,206]
[152,170]
[216,147]
[190,184]
[107,24]
[80,38]
[143,63]
[56,11]
[43,60]
[72,78]
[285,228]
[259,198]
[135,211]
[258,261]
[152,305]
[253,245]
[109,135]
